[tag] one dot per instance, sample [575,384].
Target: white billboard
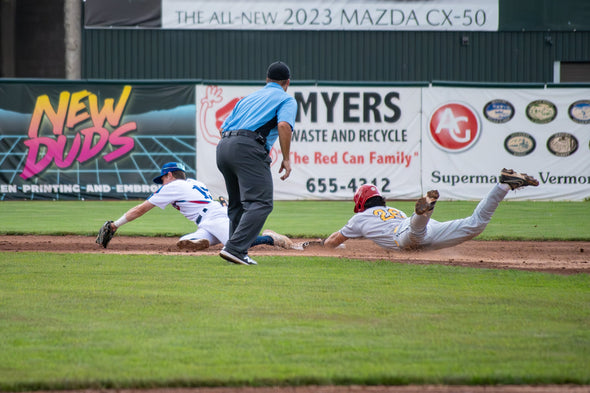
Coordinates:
[470,134]
[344,137]
[420,15]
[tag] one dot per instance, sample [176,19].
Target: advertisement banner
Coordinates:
[425,15]
[91,141]
[344,137]
[61,140]
[470,134]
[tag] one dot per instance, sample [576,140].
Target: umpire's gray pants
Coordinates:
[245,166]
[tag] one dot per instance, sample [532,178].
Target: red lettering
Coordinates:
[319,158]
[299,159]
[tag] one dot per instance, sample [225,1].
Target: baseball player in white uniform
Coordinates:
[194,201]
[392,229]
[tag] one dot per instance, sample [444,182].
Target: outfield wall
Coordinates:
[107,140]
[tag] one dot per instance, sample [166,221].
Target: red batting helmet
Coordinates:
[361,195]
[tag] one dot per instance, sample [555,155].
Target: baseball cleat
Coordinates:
[426,204]
[517,180]
[193,245]
[228,256]
[278,239]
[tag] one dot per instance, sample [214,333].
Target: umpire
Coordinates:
[248,134]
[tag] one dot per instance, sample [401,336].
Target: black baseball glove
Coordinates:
[105,234]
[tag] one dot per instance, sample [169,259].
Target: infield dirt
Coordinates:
[555,257]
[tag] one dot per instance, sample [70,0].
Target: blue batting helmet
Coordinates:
[167,168]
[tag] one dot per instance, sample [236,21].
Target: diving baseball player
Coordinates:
[392,229]
[193,199]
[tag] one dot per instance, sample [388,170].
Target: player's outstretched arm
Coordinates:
[108,229]
[334,240]
[133,213]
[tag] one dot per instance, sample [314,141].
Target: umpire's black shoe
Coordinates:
[228,256]
[517,180]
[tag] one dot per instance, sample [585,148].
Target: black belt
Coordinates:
[200,216]
[250,134]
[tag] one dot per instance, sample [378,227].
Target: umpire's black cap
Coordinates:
[278,71]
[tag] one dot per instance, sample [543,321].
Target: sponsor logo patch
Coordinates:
[562,144]
[579,111]
[498,111]
[519,144]
[541,111]
[454,127]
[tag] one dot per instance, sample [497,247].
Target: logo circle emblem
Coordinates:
[519,144]
[541,111]
[498,111]
[454,127]
[562,144]
[579,111]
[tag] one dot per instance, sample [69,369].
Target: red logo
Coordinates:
[223,113]
[454,127]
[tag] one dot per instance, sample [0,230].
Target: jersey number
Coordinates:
[388,215]
[203,191]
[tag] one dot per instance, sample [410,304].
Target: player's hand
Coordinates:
[286,166]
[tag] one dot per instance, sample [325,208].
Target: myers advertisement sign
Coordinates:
[344,137]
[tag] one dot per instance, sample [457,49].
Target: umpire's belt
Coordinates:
[200,216]
[250,134]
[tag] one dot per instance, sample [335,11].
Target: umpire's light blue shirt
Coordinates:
[258,108]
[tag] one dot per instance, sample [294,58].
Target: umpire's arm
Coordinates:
[285,133]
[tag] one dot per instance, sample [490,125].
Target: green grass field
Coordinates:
[118,321]
[512,221]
